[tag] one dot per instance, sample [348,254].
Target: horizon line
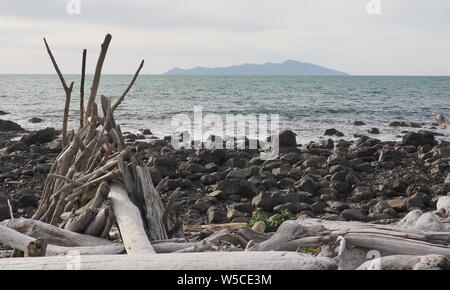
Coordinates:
[241,75]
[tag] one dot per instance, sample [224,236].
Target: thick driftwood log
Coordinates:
[112,249]
[386,239]
[170,247]
[30,246]
[129,221]
[53,235]
[187,261]
[153,205]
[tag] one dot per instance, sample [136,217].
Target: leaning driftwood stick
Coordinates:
[130,222]
[122,97]
[97,75]
[185,261]
[66,115]
[153,205]
[30,246]
[83,74]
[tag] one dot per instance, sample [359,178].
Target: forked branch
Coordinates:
[67,90]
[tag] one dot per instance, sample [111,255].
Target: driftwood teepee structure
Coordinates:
[95,164]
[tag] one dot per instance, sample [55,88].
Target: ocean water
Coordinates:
[306,105]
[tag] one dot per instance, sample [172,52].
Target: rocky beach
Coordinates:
[363,179]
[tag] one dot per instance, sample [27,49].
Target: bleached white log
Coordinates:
[111,249]
[383,238]
[38,247]
[170,247]
[186,261]
[129,221]
[52,234]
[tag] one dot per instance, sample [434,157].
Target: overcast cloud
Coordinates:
[409,37]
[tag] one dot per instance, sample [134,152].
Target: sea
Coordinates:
[306,105]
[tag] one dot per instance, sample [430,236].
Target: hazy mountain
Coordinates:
[289,67]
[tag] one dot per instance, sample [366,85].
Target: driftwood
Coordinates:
[83,75]
[386,239]
[130,222]
[46,240]
[76,190]
[30,246]
[54,235]
[185,261]
[67,90]
[112,249]
[97,75]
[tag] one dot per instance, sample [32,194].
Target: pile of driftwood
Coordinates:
[98,183]
[96,180]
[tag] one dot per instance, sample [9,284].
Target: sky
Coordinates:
[407,37]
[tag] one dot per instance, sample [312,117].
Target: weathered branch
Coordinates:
[97,75]
[122,97]
[53,234]
[83,74]
[67,90]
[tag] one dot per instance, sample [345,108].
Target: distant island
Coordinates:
[287,68]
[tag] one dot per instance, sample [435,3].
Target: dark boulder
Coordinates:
[362,193]
[4,208]
[10,126]
[306,184]
[333,132]
[18,146]
[419,139]
[215,215]
[374,131]
[217,156]
[353,215]
[287,138]
[264,200]
[26,198]
[404,124]
[241,187]
[39,137]
[147,132]
[35,120]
